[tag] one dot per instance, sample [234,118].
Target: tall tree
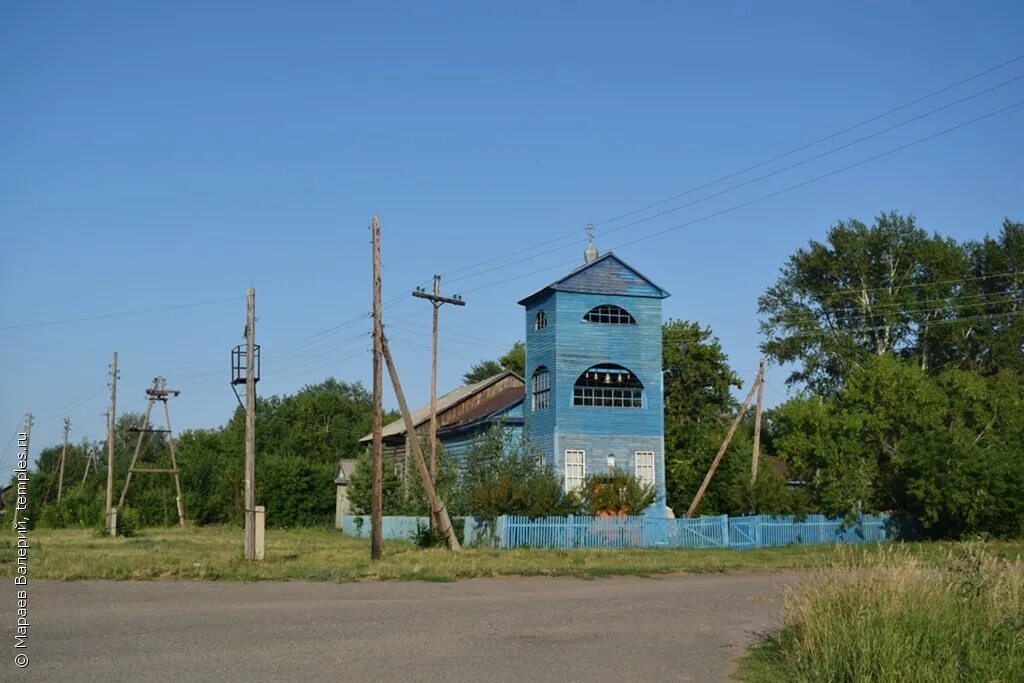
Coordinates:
[892,288]
[514,360]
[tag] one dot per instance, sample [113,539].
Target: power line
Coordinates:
[879,328]
[819,140]
[750,168]
[907,310]
[771,195]
[759,178]
[106,316]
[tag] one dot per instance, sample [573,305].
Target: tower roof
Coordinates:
[606,274]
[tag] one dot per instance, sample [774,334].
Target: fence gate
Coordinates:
[743,532]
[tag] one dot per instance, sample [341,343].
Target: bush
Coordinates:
[615,493]
[128,523]
[75,510]
[501,478]
[899,620]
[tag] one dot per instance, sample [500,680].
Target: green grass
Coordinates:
[215,553]
[897,618]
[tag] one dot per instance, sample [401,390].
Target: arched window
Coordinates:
[609,314]
[541,388]
[540,321]
[608,386]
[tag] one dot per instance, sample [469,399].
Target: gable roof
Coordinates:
[345,470]
[607,274]
[446,402]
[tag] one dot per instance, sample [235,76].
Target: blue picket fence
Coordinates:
[642,531]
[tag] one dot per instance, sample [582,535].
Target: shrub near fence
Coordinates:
[760,531]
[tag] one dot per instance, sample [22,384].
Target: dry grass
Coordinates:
[897,617]
[215,553]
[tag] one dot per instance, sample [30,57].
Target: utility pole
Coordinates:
[437,300]
[161,393]
[28,454]
[111,417]
[63,455]
[376,507]
[757,425]
[721,451]
[438,512]
[250,424]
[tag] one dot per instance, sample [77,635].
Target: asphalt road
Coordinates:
[680,628]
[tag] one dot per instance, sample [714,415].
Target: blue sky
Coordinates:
[155,155]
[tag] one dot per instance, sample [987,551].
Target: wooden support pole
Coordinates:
[377,502]
[174,467]
[135,455]
[63,456]
[250,425]
[111,417]
[721,452]
[757,425]
[438,510]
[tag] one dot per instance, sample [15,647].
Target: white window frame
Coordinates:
[541,399]
[643,467]
[575,470]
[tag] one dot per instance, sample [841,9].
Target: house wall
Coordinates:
[539,427]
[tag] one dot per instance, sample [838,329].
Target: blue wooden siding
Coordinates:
[569,345]
[540,351]
[457,444]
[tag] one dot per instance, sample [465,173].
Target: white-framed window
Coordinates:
[575,469]
[540,321]
[609,315]
[645,467]
[541,388]
[540,460]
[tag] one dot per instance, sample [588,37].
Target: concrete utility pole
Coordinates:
[28,442]
[757,425]
[376,507]
[111,417]
[63,455]
[437,300]
[438,511]
[721,451]
[161,393]
[250,424]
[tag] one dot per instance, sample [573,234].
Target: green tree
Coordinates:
[894,288]
[514,360]
[698,408]
[502,477]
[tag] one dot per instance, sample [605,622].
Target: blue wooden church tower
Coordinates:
[594,392]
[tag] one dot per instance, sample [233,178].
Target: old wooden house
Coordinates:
[463,414]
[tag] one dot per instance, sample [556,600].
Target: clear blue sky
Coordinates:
[153,156]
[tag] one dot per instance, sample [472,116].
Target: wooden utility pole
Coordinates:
[28,454]
[250,424]
[63,455]
[721,451]
[757,425]
[376,507]
[111,417]
[438,511]
[437,300]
